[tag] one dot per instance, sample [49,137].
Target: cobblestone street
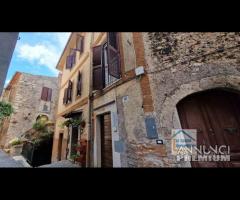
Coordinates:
[61,164]
[7,161]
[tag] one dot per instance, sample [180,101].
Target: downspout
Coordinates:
[90,110]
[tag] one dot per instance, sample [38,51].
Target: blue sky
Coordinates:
[37,53]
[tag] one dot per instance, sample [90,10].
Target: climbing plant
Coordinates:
[6,110]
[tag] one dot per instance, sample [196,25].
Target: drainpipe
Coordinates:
[90,111]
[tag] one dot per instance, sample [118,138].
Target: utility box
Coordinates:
[139,70]
[151,128]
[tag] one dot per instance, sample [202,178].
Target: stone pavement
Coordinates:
[8,162]
[61,164]
[21,160]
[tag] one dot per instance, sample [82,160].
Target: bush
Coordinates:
[15,141]
[40,126]
[6,110]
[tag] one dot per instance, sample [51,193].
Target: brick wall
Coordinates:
[144,82]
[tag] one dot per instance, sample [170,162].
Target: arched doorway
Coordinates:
[216,116]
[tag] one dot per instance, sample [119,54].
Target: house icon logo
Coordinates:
[183,141]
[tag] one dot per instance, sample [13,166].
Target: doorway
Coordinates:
[74,141]
[60,141]
[106,141]
[216,116]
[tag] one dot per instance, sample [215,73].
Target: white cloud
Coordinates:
[39,54]
[62,38]
[45,52]
[6,82]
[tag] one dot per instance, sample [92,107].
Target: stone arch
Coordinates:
[169,118]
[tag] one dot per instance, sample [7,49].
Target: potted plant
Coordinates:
[73,123]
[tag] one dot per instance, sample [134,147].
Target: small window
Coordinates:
[80,44]
[46,94]
[71,60]
[67,97]
[98,76]
[106,63]
[109,79]
[79,84]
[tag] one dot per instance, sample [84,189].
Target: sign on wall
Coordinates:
[151,128]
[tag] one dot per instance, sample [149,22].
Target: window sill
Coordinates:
[111,84]
[127,77]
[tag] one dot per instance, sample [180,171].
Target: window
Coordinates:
[98,75]
[67,97]
[109,79]
[106,63]
[45,108]
[71,60]
[79,84]
[46,94]
[80,44]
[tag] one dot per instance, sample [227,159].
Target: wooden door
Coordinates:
[60,141]
[216,116]
[106,141]
[74,140]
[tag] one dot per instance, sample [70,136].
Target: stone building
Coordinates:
[31,96]
[99,85]
[8,41]
[133,88]
[195,82]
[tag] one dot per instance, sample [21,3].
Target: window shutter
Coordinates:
[65,96]
[44,94]
[49,97]
[113,55]
[80,44]
[98,75]
[69,62]
[69,93]
[73,58]
[79,84]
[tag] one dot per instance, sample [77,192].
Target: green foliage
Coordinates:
[40,125]
[42,137]
[74,156]
[6,110]
[43,133]
[37,141]
[15,141]
[72,122]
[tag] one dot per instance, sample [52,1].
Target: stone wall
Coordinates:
[26,103]
[179,64]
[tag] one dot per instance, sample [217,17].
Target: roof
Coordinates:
[14,80]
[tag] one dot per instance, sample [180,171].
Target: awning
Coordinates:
[72,114]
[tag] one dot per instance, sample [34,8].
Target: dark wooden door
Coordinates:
[106,141]
[74,140]
[60,141]
[216,116]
